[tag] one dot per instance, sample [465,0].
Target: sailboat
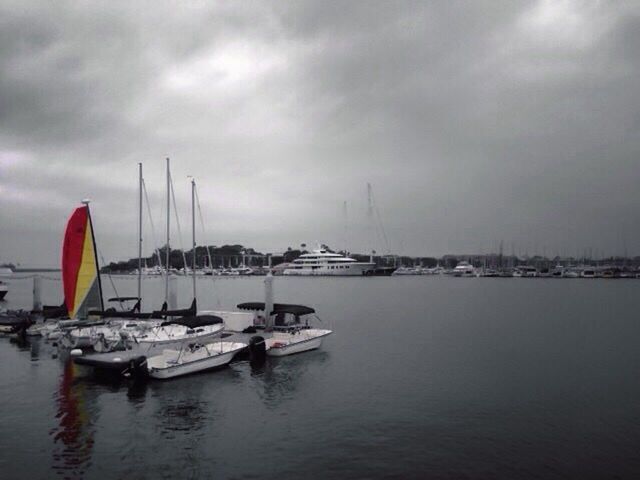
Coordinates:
[202,355]
[91,325]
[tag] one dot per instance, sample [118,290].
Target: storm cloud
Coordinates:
[475,122]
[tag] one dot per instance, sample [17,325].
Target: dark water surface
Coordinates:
[425,377]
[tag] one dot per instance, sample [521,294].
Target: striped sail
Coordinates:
[80,276]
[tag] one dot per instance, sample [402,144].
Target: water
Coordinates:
[424,377]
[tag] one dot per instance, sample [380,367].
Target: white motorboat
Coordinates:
[295,341]
[285,331]
[201,329]
[323,262]
[588,273]
[527,271]
[407,271]
[464,269]
[192,358]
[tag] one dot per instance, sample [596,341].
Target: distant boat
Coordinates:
[527,271]
[323,262]
[464,269]
[588,273]
[407,271]
[5,272]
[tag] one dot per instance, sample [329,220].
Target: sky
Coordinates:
[474,122]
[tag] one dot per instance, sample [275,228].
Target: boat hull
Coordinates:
[159,369]
[354,270]
[281,346]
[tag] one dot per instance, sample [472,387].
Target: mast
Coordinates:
[166,283]
[370,219]
[346,228]
[140,235]
[193,234]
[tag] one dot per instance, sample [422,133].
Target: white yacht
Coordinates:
[464,269]
[322,262]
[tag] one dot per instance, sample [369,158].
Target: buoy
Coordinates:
[76,352]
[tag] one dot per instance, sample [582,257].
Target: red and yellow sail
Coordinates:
[80,275]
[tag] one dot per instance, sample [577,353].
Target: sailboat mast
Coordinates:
[193,234]
[168,251]
[370,219]
[140,234]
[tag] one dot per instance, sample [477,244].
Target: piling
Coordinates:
[37,293]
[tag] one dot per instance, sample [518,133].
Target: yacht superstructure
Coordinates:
[323,262]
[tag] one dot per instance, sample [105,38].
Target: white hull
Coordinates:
[166,337]
[282,344]
[173,363]
[353,270]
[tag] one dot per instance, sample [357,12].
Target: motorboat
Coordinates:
[464,269]
[295,340]
[407,271]
[12,321]
[588,273]
[192,358]
[200,328]
[324,262]
[489,272]
[528,271]
[290,332]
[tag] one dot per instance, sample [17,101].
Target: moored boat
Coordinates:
[323,262]
[192,358]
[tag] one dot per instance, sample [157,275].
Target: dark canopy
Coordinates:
[297,310]
[122,299]
[194,322]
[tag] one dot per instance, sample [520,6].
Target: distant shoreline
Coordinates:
[34,269]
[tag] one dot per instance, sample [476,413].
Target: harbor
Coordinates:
[357,240]
[416,365]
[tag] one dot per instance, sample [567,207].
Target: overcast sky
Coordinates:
[474,122]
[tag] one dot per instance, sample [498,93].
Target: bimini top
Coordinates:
[297,310]
[194,322]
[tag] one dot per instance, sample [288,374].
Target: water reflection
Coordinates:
[277,379]
[73,437]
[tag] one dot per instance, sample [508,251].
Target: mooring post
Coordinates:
[37,297]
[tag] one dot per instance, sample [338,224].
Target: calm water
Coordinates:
[424,378]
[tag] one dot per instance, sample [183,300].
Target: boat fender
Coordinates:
[257,349]
[76,352]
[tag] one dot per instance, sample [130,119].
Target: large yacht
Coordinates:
[322,262]
[464,269]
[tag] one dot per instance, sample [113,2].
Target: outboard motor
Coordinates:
[257,350]
[137,368]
